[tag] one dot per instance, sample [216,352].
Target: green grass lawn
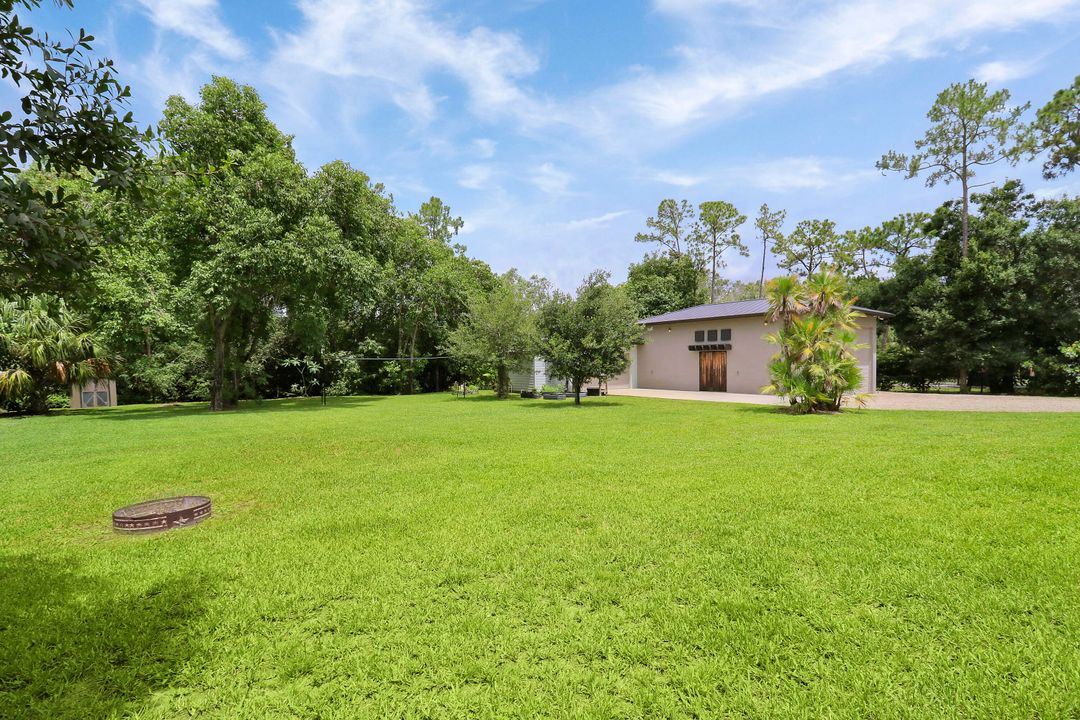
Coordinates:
[434,556]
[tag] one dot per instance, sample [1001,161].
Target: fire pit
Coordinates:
[161,514]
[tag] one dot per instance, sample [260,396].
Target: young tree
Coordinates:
[588,336]
[663,283]
[716,231]
[71,118]
[971,128]
[769,226]
[670,227]
[1057,130]
[437,220]
[44,347]
[815,365]
[812,245]
[498,332]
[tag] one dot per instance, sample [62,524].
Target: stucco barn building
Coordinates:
[722,348]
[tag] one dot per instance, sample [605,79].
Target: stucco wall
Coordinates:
[665,363]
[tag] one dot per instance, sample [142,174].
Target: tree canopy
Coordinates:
[588,336]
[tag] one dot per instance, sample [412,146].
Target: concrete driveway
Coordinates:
[887,400]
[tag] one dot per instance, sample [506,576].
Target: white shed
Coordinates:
[533,378]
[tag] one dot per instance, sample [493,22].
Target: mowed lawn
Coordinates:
[433,556]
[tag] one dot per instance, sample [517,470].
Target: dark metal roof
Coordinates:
[739,308]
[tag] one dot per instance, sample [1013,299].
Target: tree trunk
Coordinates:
[764,252]
[412,358]
[503,382]
[964,221]
[577,392]
[712,278]
[234,399]
[963,381]
[217,384]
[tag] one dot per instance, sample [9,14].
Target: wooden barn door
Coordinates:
[712,371]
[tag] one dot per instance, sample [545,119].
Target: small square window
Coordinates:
[699,336]
[712,336]
[725,334]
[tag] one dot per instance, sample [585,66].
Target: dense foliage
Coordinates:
[815,365]
[1004,312]
[71,118]
[497,334]
[588,337]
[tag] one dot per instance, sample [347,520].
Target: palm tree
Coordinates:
[43,346]
[826,290]
[815,365]
[786,297]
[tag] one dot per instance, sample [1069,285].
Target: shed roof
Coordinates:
[739,308]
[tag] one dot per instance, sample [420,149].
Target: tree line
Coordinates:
[984,286]
[201,260]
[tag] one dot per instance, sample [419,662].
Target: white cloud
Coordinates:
[197,19]
[678,179]
[399,46]
[551,180]
[476,177]
[593,222]
[1002,71]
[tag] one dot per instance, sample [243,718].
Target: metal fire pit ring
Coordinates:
[163,514]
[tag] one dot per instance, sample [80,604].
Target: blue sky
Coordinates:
[554,127]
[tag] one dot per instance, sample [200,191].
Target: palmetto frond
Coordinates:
[816,364]
[45,344]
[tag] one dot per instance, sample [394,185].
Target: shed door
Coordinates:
[712,371]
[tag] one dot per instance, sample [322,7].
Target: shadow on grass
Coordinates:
[73,645]
[760,409]
[585,402]
[246,406]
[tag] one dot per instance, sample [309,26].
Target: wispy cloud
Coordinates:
[551,180]
[791,174]
[484,148]
[593,222]
[197,19]
[476,177]
[718,69]
[398,46]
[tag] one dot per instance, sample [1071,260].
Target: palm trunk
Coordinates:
[39,396]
